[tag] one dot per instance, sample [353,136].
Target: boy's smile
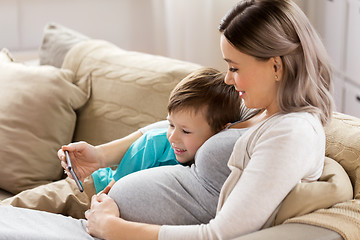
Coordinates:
[187,131]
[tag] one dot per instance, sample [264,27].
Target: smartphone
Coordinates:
[72,172]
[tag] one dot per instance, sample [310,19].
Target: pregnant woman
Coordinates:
[279,66]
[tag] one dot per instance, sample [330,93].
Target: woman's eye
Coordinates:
[186,132]
[171,125]
[232,69]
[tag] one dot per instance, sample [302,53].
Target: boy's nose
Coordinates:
[173,137]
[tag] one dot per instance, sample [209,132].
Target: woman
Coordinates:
[279,65]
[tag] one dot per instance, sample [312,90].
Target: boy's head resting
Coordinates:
[205,88]
[200,106]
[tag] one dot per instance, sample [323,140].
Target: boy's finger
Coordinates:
[106,190]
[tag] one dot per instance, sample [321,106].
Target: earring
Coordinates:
[276,77]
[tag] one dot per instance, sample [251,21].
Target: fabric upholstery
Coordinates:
[38,116]
[57,41]
[62,197]
[293,231]
[129,89]
[343,218]
[333,187]
[343,145]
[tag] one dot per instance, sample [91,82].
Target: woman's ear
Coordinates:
[277,64]
[278,69]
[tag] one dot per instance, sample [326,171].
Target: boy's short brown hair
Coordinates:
[205,89]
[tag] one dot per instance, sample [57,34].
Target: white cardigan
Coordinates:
[266,163]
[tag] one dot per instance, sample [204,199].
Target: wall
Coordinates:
[183,29]
[338,23]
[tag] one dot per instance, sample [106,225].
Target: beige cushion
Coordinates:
[294,231]
[4,194]
[343,145]
[57,41]
[5,56]
[333,187]
[130,89]
[37,116]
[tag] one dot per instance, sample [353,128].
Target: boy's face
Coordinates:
[187,132]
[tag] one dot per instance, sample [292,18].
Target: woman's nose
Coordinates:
[228,79]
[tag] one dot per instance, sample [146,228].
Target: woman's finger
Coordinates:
[94,202]
[87,213]
[102,197]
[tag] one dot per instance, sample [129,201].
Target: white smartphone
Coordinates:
[72,172]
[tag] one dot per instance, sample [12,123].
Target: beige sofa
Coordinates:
[96,92]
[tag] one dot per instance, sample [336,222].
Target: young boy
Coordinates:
[199,106]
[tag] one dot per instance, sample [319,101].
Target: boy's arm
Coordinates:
[108,187]
[112,152]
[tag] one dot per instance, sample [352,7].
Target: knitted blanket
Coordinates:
[343,218]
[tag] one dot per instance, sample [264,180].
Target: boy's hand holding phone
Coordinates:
[72,172]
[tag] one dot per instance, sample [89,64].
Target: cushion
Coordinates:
[343,145]
[129,89]
[5,56]
[333,187]
[37,106]
[57,41]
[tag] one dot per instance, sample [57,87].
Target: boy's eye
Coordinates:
[232,69]
[186,132]
[171,125]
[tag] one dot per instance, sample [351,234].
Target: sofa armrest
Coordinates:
[293,231]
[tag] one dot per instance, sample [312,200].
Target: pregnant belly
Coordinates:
[169,195]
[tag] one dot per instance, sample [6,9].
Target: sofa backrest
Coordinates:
[129,89]
[343,145]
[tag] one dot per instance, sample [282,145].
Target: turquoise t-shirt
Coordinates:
[152,149]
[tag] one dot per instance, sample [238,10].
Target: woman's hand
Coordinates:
[103,209]
[85,158]
[104,222]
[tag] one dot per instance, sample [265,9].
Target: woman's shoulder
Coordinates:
[298,120]
[302,128]
[296,124]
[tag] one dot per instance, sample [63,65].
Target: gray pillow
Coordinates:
[57,41]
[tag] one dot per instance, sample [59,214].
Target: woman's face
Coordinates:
[254,79]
